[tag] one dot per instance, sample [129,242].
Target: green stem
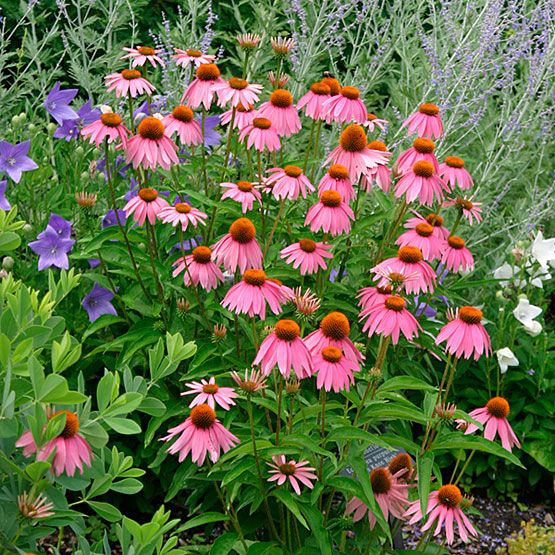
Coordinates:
[203,152]
[307,154]
[316,146]
[274,227]
[279,399]
[152,256]
[463,469]
[131,118]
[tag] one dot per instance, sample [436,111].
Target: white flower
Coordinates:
[543,250]
[506,358]
[538,276]
[533,328]
[525,314]
[507,272]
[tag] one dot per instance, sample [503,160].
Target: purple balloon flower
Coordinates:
[14,160]
[60,225]
[97,302]
[52,249]
[57,103]
[118,165]
[4,204]
[71,128]
[110,218]
[188,244]
[211,136]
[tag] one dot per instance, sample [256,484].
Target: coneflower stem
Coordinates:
[231,513]
[308,148]
[274,227]
[228,145]
[152,256]
[451,378]
[279,395]
[203,152]
[316,145]
[131,117]
[463,469]
[322,431]
[456,224]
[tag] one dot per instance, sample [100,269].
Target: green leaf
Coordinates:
[123,425]
[100,323]
[315,520]
[288,499]
[224,544]
[205,518]
[106,511]
[9,241]
[424,466]
[400,383]
[351,433]
[36,470]
[104,391]
[128,486]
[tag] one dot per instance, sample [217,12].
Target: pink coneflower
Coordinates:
[295,472]
[421,149]
[109,126]
[237,91]
[436,221]
[243,116]
[370,296]
[201,89]
[334,332]
[409,261]
[200,434]
[253,381]
[420,182]
[390,493]
[402,464]
[285,348]
[239,249]
[129,81]
[334,370]
[278,81]
[306,303]
[373,121]
[354,154]
[151,147]
[426,122]
[281,111]
[472,211]
[389,319]
[311,103]
[182,121]
[71,450]
[282,45]
[243,192]
[494,417]
[345,107]
[422,236]
[199,268]
[248,41]
[147,204]
[380,173]
[465,334]
[330,214]
[251,294]
[34,507]
[337,179]
[288,183]
[456,256]
[454,173]
[182,213]
[194,57]
[443,510]
[143,54]
[261,134]
[307,255]
[208,392]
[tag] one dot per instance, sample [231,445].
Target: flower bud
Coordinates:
[51,127]
[28,230]
[79,151]
[32,128]
[7,263]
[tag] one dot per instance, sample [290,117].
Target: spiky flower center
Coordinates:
[470,314]
[320,89]
[395,303]
[498,407]
[147,194]
[130,74]
[429,109]
[194,53]
[333,84]
[331,354]
[287,330]
[292,171]
[353,138]
[238,83]
[435,220]
[410,255]
[244,186]
[203,416]
[307,245]
[242,231]
[371,117]
[335,326]
[183,113]
[210,388]
[281,98]
[423,168]
[243,109]
[208,72]
[456,242]
[202,255]
[399,462]
[384,290]
[261,123]
[330,198]
[377,145]
[288,469]
[381,480]
[110,119]
[71,426]
[454,162]
[337,171]
[424,146]
[254,277]
[183,208]
[424,229]
[146,50]
[352,93]
[151,128]
[465,203]
[449,495]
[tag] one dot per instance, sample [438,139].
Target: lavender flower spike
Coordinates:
[57,103]
[14,160]
[52,249]
[97,302]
